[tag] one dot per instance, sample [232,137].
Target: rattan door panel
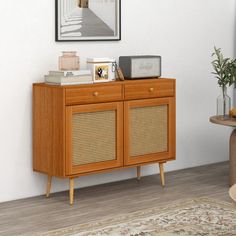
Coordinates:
[149,130]
[147,124]
[94,137]
[89,143]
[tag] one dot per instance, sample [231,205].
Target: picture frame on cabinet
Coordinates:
[87,20]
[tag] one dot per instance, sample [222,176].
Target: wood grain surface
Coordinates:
[53,107]
[48,130]
[41,214]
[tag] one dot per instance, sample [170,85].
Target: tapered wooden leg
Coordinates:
[49,183]
[71,191]
[138,172]
[161,167]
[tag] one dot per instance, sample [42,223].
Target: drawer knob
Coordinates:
[95,94]
[151,89]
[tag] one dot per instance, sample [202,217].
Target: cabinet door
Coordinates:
[94,137]
[149,130]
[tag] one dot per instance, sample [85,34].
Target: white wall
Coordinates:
[104,9]
[183,32]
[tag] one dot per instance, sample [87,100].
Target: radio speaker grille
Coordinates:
[148,130]
[93,137]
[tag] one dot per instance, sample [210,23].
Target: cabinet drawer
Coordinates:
[149,89]
[94,94]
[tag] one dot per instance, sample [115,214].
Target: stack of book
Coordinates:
[69,77]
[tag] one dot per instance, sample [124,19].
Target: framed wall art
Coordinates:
[88,20]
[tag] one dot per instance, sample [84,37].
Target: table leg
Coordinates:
[49,185]
[138,172]
[232,159]
[71,191]
[162,175]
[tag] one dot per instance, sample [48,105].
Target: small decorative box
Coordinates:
[103,69]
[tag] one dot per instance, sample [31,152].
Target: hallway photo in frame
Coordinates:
[88,20]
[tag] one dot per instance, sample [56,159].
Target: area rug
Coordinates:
[202,216]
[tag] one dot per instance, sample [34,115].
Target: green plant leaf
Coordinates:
[224,68]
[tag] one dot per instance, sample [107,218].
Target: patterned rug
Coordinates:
[202,216]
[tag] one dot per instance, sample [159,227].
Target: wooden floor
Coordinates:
[38,214]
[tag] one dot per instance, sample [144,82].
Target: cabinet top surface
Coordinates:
[137,81]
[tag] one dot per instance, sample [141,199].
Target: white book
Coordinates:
[100,60]
[67,79]
[70,83]
[70,73]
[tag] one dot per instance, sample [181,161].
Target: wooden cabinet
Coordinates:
[86,129]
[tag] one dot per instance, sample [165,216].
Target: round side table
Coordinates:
[229,121]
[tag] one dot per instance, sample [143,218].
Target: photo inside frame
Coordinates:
[88,20]
[102,72]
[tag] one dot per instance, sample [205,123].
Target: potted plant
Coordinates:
[224,71]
